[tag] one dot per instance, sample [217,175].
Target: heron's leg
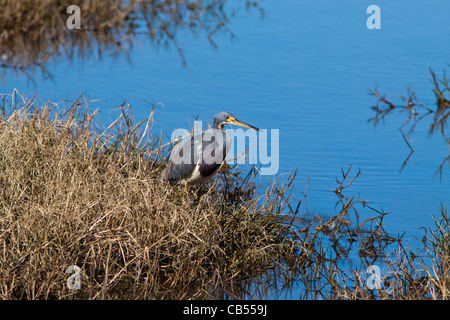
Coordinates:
[185,191]
[197,194]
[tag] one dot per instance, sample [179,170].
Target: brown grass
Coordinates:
[75,193]
[72,195]
[34,31]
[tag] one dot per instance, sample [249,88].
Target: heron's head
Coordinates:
[223,118]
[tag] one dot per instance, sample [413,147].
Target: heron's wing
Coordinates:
[215,149]
[209,164]
[176,172]
[182,164]
[205,150]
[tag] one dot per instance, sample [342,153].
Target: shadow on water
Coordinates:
[36,32]
[416,112]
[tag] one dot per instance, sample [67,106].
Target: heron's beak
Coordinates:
[242,124]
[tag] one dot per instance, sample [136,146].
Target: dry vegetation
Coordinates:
[74,194]
[34,32]
[417,113]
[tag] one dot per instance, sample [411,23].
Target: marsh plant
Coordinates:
[35,32]
[415,112]
[77,196]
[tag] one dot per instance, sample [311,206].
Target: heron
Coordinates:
[200,158]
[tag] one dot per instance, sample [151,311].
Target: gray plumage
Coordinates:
[199,159]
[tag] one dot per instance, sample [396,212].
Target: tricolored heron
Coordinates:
[200,158]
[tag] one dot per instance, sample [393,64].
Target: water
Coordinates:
[304,68]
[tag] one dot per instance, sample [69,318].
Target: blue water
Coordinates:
[305,68]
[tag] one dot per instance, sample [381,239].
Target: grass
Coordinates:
[76,193]
[417,112]
[34,32]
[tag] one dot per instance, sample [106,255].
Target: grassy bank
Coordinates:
[73,192]
[34,32]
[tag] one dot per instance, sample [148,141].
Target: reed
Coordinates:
[34,32]
[74,192]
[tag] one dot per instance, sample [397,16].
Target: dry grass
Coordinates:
[34,31]
[407,273]
[73,195]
